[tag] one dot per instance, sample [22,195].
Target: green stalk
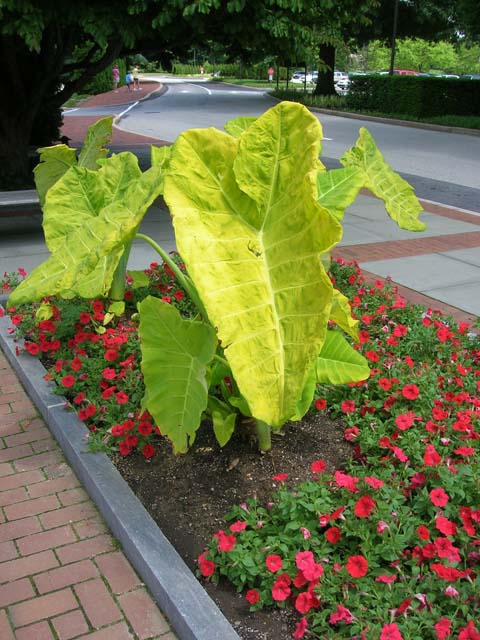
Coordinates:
[117,288]
[183,280]
[264,435]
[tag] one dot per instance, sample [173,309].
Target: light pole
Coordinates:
[394,37]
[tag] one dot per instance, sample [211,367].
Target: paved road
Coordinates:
[444,167]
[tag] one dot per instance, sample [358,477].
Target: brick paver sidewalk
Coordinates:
[62,575]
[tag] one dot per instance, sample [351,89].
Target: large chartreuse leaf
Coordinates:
[175,355]
[56,160]
[250,231]
[75,260]
[53,163]
[93,148]
[87,247]
[400,200]
[339,363]
[238,125]
[338,188]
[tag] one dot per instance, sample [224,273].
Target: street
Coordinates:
[443,167]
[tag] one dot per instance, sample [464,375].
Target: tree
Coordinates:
[49,50]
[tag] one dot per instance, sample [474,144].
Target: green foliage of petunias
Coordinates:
[175,354]
[251,231]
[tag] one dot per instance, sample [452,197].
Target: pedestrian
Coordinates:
[136,79]
[270,74]
[128,80]
[202,69]
[116,77]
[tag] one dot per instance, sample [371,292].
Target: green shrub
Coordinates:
[103,81]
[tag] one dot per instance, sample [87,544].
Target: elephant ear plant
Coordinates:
[256,216]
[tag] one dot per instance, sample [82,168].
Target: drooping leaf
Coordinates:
[53,163]
[175,355]
[79,256]
[237,126]
[341,314]
[93,149]
[251,232]
[338,188]
[401,203]
[339,363]
[161,156]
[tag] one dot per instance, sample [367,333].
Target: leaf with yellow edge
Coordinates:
[341,314]
[401,203]
[93,148]
[53,163]
[339,363]
[250,232]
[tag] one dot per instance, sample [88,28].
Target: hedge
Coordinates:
[415,96]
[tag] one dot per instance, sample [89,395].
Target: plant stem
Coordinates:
[117,288]
[184,281]
[264,435]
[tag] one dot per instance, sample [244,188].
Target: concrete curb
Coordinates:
[399,123]
[191,612]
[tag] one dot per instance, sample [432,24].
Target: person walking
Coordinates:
[136,79]
[270,73]
[116,77]
[128,80]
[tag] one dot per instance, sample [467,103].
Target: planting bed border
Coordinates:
[191,612]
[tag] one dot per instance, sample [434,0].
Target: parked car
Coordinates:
[342,87]
[299,76]
[338,76]
[405,72]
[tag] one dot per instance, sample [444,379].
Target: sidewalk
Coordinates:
[61,573]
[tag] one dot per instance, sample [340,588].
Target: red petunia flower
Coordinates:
[252,596]
[423,532]
[390,632]
[148,451]
[68,381]
[300,629]
[320,404]
[469,632]
[342,614]
[431,457]
[111,355]
[226,542]
[443,628]
[364,506]
[410,391]
[121,397]
[281,588]
[280,477]
[318,466]
[207,567]
[439,497]
[238,526]
[333,535]
[348,406]
[357,566]
[446,526]
[273,562]
[306,601]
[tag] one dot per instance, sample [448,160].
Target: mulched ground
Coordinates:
[188,496]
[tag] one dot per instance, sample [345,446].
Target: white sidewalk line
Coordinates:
[120,115]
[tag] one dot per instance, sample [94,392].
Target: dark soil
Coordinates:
[188,496]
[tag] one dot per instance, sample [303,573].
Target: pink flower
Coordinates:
[439,497]
[342,614]
[390,632]
[281,587]
[306,601]
[306,564]
[305,532]
[375,483]
[442,628]
[431,456]
[238,526]
[410,391]
[344,480]
[445,526]
[386,579]
[226,542]
[273,562]
[300,629]
[207,567]
[469,632]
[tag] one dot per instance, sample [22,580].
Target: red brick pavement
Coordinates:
[62,575]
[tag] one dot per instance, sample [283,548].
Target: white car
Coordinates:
[299,76]
[340,76]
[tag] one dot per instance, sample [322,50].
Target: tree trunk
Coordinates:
[325,85]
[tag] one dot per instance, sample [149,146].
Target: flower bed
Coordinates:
[386,547]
